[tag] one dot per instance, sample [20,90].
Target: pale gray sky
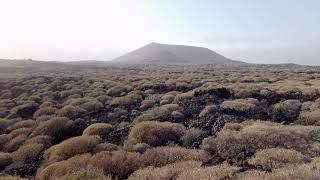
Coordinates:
[260,31]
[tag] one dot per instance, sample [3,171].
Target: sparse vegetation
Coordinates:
[160,122]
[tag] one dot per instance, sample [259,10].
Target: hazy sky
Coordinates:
[261,31]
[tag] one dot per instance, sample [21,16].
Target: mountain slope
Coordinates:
[156,53]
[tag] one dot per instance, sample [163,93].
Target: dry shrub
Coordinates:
[45,112]
[127,100]
[245,90]
[104,99]
[89,172]
[15,143]
[161,156]
[241,104]
[4,124]
[252,175]
[77,167]
[71,147]
[59,169]
[156,133]
[191,136]
[168,97]
[183,96]
[92,106]
[76,101]
[5,159]
[4,112]
[164,102]
[66,93]
[119,164]
[316,105]
[44,118]
[138,147]
[98,129]
[208,110]
[20,131]
[4,138]
[41,139]
[74,96]
[277,157]
[170,171]
[24,124]
[53,127]
[8,177]
[118,90]
[28,153]
[47,104]
[158,113]
[70,111]
[224,171]
[105,147]
[7,103]
[309,118]
[145,104]
[307,171]
[237,145]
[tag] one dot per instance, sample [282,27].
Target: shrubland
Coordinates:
[160,122]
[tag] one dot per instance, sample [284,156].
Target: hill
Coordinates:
[156,53]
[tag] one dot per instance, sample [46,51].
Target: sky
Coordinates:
[257,31]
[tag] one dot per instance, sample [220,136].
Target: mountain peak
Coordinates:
[157,53]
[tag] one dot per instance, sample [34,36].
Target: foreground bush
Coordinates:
[20,131]
[89,172]
[127,100]
[161,156]
[92,106]
[241,104]
[170,171]
[159,113]
[105,147]
[45,112]
[53,127]
[5,159]
[28,153]
[4,138]
[71,147]
[71,112]
[14,143]
[309,118]
[23,124]
[307,171]
[238,144]
[273,158]
[118,90]
[4,124]
[41,139]
[119,164]
[98,129]
[224,171]
[59,169]
[8,177]
[156,133]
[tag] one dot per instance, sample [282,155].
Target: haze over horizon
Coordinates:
[256,31]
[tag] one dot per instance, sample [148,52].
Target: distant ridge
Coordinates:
[156,53]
